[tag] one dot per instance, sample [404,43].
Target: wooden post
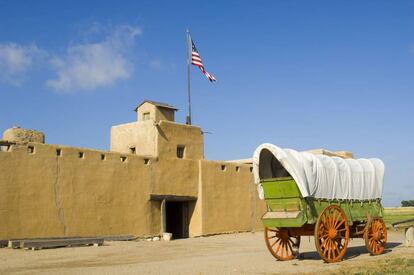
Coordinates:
[163,217]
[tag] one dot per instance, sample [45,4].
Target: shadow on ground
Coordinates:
[351,252]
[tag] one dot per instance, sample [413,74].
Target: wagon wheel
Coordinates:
[281,244]
[376,236]
[332,234]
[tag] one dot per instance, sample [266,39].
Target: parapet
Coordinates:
[21,135]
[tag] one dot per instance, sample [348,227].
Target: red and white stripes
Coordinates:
[196,61]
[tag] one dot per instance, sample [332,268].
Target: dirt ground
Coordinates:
[243,253]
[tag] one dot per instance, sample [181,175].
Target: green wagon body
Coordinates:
[287,208]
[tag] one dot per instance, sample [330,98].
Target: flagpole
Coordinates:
[188,76]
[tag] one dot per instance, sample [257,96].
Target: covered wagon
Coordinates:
[328,197]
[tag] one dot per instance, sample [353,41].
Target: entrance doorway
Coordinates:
[177,218]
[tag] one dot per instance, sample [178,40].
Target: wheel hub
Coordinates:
[332,233]
[283,234]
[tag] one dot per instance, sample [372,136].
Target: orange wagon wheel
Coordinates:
[281,244]
[332,234]
[376,236]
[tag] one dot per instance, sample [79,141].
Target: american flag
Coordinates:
[196,60]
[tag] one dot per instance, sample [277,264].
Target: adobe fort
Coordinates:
[154,179]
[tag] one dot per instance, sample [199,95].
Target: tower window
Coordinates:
[81,155]
[180,151]
[223,168]
[132,150]
[58,152]
[146,116]
[30,149]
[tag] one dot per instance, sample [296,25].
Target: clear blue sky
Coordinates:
[299,74]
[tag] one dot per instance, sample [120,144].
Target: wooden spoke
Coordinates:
[285,247]
[277,249]
[375,236]
[332,234]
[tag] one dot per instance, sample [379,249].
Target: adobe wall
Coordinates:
[165,114]
[158,139]
[171,134]
[45,195]
[175,177]
[141,135]
[179,177]
[229,198]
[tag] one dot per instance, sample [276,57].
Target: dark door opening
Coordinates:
[177,218]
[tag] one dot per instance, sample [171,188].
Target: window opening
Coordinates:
[146,116]
[180,151]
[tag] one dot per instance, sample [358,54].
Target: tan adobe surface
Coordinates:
[52,190]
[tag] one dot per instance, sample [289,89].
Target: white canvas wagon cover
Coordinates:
[320,176]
